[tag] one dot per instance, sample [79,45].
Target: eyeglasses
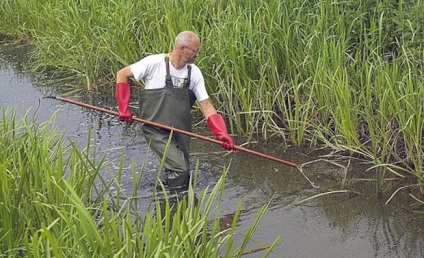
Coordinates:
[195,51]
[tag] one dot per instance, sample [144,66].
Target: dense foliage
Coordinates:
[348,74]
[55,203]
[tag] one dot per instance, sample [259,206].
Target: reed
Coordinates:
[345,73]
[56,203]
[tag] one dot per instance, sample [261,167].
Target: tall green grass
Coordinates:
[345,73]
[55,203]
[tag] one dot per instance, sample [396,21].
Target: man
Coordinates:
[172,84]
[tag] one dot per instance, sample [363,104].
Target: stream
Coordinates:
[334,225]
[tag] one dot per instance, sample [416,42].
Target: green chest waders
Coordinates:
[170,106]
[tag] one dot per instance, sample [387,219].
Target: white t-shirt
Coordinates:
[153,69]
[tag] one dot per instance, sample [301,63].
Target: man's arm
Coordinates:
[207,108]
[124,74]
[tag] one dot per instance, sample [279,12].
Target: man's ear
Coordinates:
[180,48]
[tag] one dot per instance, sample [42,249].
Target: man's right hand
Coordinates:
[123,93]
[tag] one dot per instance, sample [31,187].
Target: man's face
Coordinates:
[191,52]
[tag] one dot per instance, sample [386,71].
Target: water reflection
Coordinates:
[340,225]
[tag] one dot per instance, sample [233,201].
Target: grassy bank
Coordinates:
[53,204]
[345,73]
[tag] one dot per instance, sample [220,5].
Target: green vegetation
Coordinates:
[52,206]
[348,74]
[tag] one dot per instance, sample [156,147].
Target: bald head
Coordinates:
[185,38]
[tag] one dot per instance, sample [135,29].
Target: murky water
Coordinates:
[335,225]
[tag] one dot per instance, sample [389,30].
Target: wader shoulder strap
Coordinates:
[168,81]
[188,76]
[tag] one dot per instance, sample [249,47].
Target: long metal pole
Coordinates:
[236,147]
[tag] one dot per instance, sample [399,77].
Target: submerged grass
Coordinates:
[345,73]
[53,205]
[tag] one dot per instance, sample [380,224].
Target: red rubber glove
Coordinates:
[123,98]
[218,127]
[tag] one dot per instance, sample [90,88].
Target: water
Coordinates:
[334,225]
